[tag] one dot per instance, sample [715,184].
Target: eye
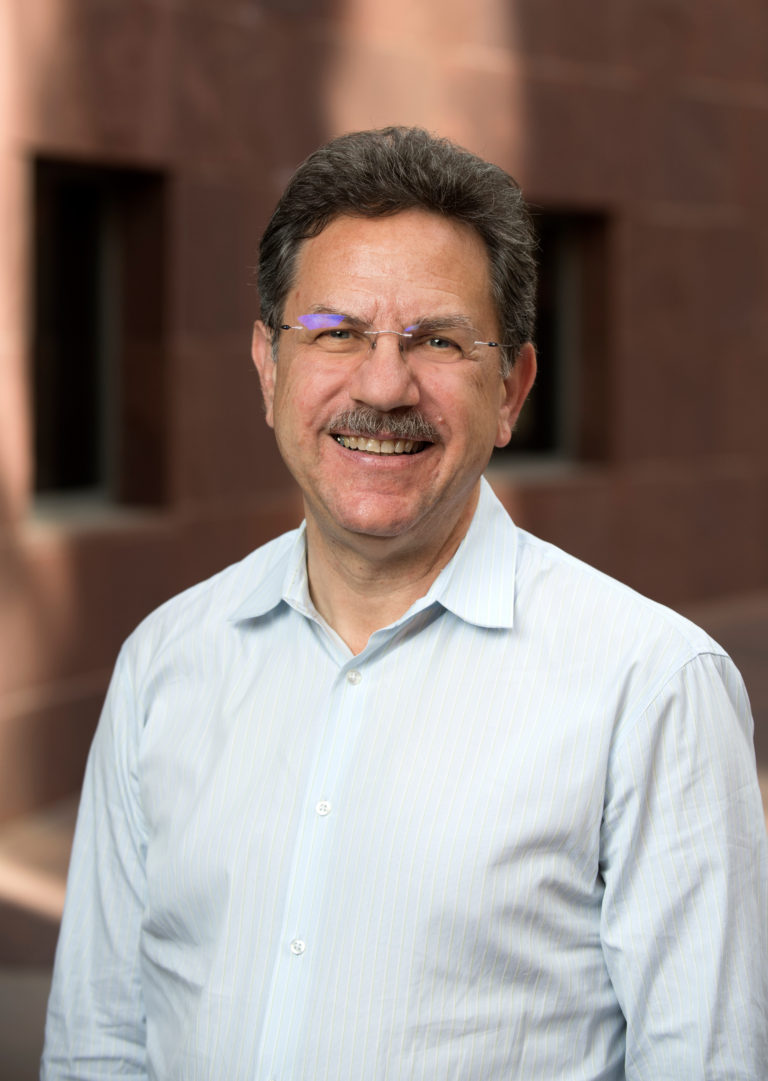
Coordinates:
[337,339]
[434,344]
[443,344]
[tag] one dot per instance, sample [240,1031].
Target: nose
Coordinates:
[384,378]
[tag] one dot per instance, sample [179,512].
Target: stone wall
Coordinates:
[653,115]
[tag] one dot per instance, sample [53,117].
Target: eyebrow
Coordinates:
[328,309]
[452,321]
[428,324]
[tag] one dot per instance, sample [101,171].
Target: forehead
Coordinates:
[410,264]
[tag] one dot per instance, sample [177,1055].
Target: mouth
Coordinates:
[371,445]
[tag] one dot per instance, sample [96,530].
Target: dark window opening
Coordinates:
[99,388]
[563,417]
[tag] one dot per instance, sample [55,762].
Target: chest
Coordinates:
[440,763]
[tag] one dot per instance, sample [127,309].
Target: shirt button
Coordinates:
[298,947]
[353,676]
[323,807]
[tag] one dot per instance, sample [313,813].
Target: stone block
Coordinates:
[692,309]
[578,149]
[96,76]
[587,32]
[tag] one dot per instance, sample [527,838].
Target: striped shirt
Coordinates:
[519,836]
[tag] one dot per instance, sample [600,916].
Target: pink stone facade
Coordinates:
[653,114]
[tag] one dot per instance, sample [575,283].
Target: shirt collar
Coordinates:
[477,585]
[284,580]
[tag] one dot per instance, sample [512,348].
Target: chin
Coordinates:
[375,527]
[382,522]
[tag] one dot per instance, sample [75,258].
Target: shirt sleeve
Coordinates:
[96,1026]
[683,857]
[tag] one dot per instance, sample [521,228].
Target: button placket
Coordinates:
[319,816]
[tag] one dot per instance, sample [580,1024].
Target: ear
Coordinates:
[516,388]
[261,353]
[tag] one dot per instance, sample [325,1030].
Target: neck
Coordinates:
[361,584]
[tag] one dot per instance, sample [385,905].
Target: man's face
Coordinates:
[390,273]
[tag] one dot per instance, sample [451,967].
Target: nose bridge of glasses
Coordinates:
[401,335]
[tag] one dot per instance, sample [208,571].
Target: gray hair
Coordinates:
[379,173]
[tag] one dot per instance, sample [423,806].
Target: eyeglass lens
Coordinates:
[336,333]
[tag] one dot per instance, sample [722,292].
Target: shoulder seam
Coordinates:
[662,683]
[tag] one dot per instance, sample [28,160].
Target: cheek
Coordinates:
[465,403]
[303,402]
[290,391]
[483,400]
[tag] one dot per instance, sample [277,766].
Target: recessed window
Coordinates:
[99,386]
[563,417]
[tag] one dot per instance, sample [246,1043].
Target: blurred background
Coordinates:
[143,145]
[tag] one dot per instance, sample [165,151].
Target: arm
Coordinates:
[96,1023]
[685,910]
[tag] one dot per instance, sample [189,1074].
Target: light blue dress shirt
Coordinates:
[518,837]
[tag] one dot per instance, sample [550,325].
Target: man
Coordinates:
[409,794]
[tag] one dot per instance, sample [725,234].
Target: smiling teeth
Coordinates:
[377,446]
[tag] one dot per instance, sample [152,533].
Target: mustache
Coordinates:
[407,424]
